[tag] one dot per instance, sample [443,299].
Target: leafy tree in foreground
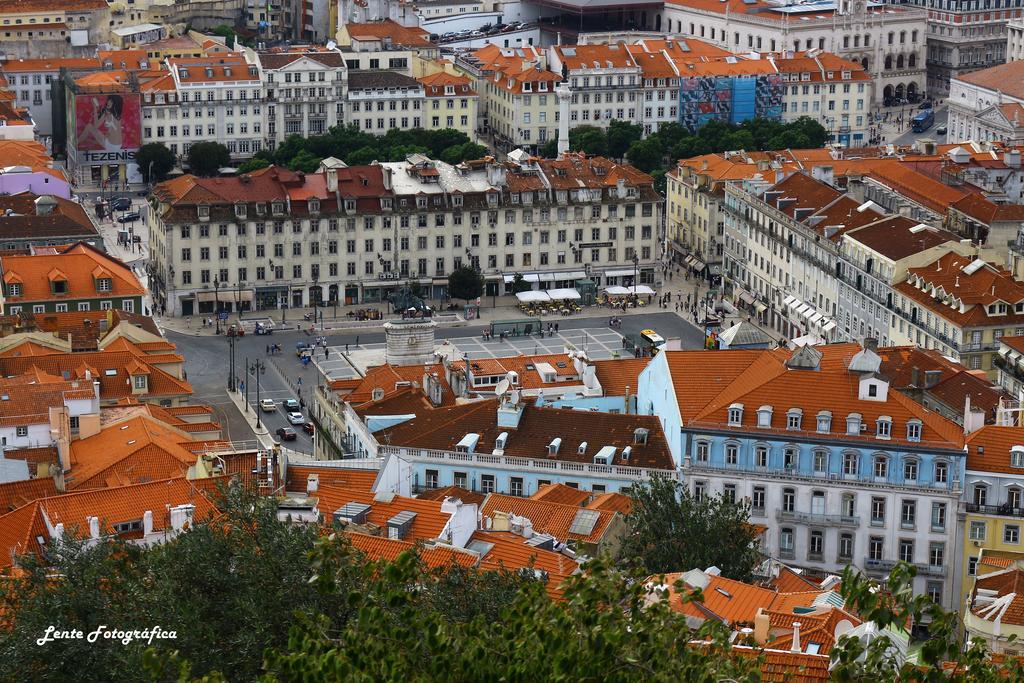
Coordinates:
[254,164]
[621,135]
[588,139]
[206,158]
[465,283]
[519,284]
[155,156]
[670,530]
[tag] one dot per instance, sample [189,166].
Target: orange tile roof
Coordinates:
[389,378]
[14,494]
[988,449]
[77,263]
[54,65]
[788,581]
[434,85]
[547,517]
[986,285]
[428,524]
[443,428]
[598,55]
[27,399]
[135,450]
[465,495]
[219,68]
[789,667]
[509,552]
[708,382]
[407,36]
[619,376]
[388,549]
[653,65]
[351,478]
[560,493]
[94,365]
[1004,583]
[612,502]
[20,529]
[1007,78]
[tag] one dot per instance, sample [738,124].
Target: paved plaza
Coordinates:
[345,362]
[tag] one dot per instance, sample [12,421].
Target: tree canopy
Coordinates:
[155,156]
[356,148]
[465,283]
[671,530]
[206,158]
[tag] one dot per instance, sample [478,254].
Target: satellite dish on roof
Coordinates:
[502,388]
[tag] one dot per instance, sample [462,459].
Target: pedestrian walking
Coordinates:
[556,327]
[268,349]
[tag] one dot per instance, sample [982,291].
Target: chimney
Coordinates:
[796,637]
[386,172]
[312,483]
[870,343]
[94,527]
[181,516]
[761,626]
[147,523]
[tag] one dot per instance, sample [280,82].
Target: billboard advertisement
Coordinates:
[107,127]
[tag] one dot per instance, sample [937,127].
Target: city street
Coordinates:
[907,137]
[206,361]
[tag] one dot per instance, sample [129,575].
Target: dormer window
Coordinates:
[350,205]
[261,209]
[703,451]
[14,289]
[139,381]
[794,417]
[457,200]
[240,210]
[883,427]
[853,423]
[914,430]
[421,202]
[103,284]
[736,415]
[1017,456]
[277,208]
[824,422]
[764,417]
[314,206]
[203,211]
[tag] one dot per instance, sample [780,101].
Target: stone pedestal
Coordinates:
[410,342]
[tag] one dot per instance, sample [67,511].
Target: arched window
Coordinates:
[888,62]
[761,456]
[850,464]
[1013,497]
[910,466]
[790,458]
[899,62]
[912,61]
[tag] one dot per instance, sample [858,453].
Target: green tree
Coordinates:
[672,530]
[363,156]
[621,135]
[519,284]
[289,148]
[549,150]
[305,161]
[589,139]
[660,181]
[155,156]
[206,158]
[254,164]
[440,140]
[467,151]
[646,154]
[465,283]
[227,33]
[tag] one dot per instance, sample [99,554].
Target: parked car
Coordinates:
[267,405]
[300,347]
[296,418]
[308,428]
[129,217]
[291,405]
[120,203]
[925,105]
[287,434]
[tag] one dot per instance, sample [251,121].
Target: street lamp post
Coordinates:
[636,271]
[216,302]
[231,360]
[257,368]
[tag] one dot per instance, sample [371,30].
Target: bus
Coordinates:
[923,121]
[652,340]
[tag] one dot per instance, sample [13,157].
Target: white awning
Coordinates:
[531,277]
[794,303]
[802,308]
[816,317]
[639,289]
[746,298]
[809,312]
[563,294]
[829,326]
[531,296]
[571,275]
[788,300]
[616,290]
[760,307]
[620,273]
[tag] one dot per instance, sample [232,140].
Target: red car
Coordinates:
[308,428]
[286,433]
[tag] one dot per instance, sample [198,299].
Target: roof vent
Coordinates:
[352,513]
[400,525]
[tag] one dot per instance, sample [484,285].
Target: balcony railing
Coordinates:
[873,565]
[816,518]
[1001,510]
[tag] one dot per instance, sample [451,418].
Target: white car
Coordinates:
[296,418]
[267,405]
